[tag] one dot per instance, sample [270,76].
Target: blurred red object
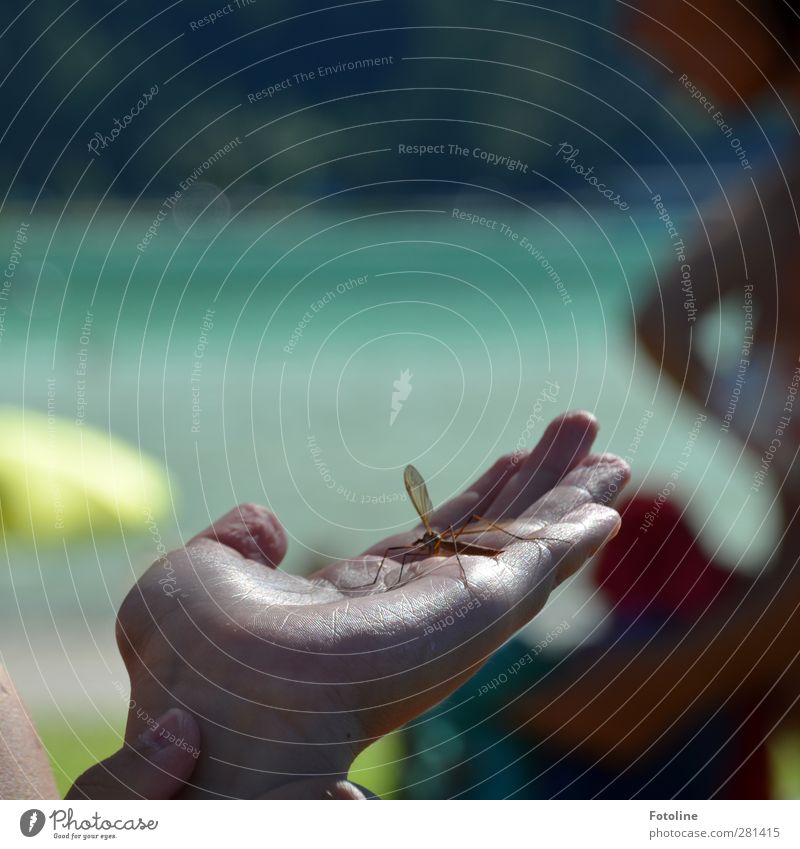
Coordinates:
[654,569]
[657,567]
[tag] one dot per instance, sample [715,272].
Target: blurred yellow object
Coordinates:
[784,756]
[62,478]
[379,767]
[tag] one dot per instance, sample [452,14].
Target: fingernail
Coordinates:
[347,790]
[164,732]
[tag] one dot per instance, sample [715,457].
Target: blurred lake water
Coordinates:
[301,360]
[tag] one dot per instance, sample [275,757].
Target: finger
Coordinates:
[252,531]
[597,523]
[597,478]
[481,493]
[530,570]
[565,442]
[155,766]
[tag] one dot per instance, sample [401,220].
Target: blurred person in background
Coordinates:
[747,251]
[698,667]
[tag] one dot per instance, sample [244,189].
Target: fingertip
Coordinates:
[603,522]
[571,433]
[507,462]
[581,421]
[608,459]
[608,475]
[251,530]
[565,443]
[609,518]
[155,765]
[505,467]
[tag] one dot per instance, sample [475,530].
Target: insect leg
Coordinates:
[454,540]
[380,565]
[402,566]
[494,526]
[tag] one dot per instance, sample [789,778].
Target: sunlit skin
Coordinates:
[292,677]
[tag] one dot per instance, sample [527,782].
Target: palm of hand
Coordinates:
[294,676]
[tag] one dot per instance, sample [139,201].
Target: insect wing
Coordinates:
[418,493]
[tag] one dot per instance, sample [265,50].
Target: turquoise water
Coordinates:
[231,356]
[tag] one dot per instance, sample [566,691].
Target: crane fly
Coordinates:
[446,543]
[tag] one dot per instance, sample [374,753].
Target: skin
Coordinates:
[158,763]
[149,767]
[290,678]
[24,771]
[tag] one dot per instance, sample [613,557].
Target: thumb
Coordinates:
[252,531]
[155,766]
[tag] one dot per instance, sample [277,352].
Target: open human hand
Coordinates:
[290,678]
